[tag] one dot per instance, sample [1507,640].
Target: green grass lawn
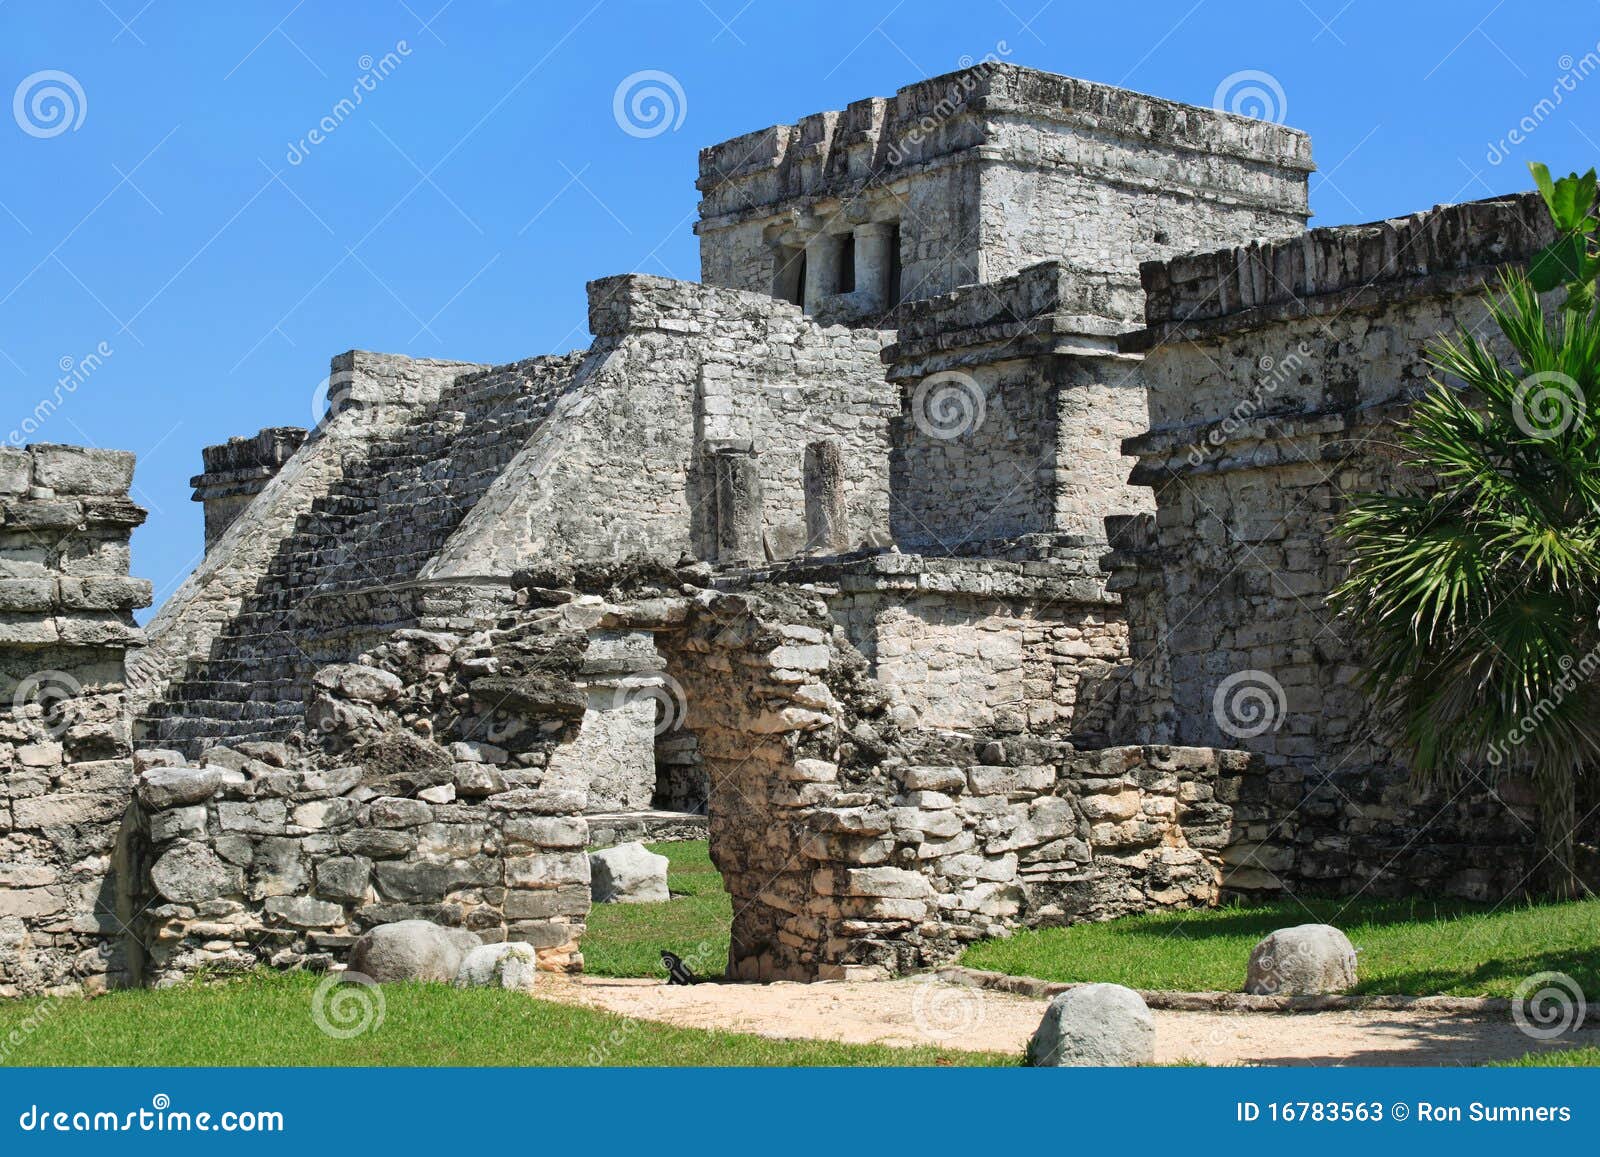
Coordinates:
[1555,1059]
[627,939]
[266,1019]
[1413,947]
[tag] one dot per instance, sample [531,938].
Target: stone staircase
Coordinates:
[343,579]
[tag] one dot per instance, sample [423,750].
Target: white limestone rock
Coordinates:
[513,965]
[1306,960]
[1095,1025]
[164,787]
[628,874]
[412,950]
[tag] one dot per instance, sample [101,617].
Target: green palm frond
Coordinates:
[1474,586]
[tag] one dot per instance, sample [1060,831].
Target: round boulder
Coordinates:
[512,965]
[1094,1025]
[628,874]
[412,950]
[1306,960]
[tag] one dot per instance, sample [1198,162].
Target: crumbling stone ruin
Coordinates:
[954,556]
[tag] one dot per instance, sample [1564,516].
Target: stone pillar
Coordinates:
[239,469]
[873,262]
[827,519]
[738,482]
[66,760]
[612,760]
[822,270]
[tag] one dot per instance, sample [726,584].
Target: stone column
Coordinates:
[873,261]
[738,482]
[239,469]
[827,519]
[822,270]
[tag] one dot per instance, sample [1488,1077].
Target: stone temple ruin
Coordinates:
[954,553]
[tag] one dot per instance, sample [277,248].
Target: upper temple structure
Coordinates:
[954,553]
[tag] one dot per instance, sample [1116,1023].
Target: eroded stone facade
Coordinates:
[911,577]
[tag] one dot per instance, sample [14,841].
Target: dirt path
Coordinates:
[931,1012]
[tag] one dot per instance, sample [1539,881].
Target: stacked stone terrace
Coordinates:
[341,578]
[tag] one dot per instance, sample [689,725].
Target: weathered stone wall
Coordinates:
[679,373]
[986,171]
[1014,402]
[1274,375]
[978,644]
[851,843]
[249,864]
[66,770]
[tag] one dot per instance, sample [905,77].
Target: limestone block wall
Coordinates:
[980,645]
[852,844]
[1274,374]
[66,770]
[679,372]
[247,864]
[1014,402]
[988,170]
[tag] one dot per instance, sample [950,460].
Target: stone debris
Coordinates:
[514,966]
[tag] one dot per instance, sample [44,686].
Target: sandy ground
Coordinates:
[935,1013]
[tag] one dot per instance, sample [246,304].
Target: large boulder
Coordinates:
[1306,960]
[1096,1024]
[628,874]
[412,950]
[512,965]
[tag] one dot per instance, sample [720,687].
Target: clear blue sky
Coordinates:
[458,211]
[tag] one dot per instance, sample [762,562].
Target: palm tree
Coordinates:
[1474,590]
